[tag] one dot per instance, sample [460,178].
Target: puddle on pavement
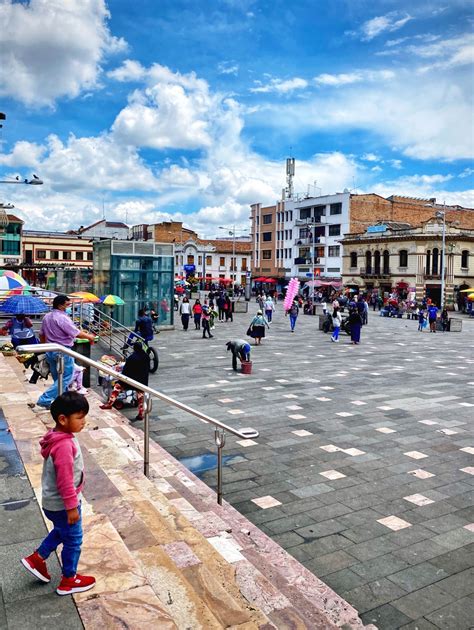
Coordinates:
[199,464]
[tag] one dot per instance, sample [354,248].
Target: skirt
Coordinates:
[258,332]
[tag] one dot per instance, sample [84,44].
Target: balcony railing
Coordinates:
[308,240]
[307,260]
[371,272]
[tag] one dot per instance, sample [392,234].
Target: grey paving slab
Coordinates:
[338,518]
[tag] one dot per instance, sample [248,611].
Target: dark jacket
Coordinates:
[137,366]
[144,327]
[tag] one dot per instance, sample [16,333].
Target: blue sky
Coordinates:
[187,110]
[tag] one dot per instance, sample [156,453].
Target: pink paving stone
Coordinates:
[330,448]
[294,407]
[226,400]
[468,449]
[266,502]
[428,422]
[234,412]
[344,414]
[246,443]
[421,474]
[358,402]
[446,431]
[323,399]
[418,499]
[353,452]
[181,554]
[394,523]
[296,416]
[469,470]
[385,430]
[332,474]
[302,433]
[290,396]
[469,527]
[415,455]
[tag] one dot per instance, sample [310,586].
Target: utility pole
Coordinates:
[439,214]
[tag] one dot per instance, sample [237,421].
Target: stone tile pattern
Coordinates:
[331,525]
[164,553]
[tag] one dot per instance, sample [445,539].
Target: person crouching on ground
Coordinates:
[137,366]
[62,482]
[240,349]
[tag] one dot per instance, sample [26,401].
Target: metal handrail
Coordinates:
[220,427]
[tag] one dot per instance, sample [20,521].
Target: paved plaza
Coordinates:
[364,468]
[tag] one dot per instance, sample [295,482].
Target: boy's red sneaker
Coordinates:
[37,566]
[76,584]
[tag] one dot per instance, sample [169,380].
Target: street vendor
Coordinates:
[20,328]
[239,348]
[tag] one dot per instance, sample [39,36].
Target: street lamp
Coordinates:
[36,181]
[441,214]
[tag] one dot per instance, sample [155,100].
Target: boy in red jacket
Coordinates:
[62,482]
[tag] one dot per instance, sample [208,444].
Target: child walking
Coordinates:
[336,322]
[421,320]
[62,482]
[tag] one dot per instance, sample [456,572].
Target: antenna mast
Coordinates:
[290,173]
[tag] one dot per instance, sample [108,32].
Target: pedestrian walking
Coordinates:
[228,309]
[432,316]
[185,312]
[205,320]
[197,313]
[240,349]
[293,312]
[355,322]
[421,320]
[57,327]
[269,307]
[336,322]
[256,328]
[444,320]
[220,302]
[62,482]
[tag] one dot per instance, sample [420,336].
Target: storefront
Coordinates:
[141,273]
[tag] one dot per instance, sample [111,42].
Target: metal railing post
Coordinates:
[60,370]
[147,405]
[219,437]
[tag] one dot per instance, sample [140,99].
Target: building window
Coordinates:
[435,262]
[209,261]
[90,255]
[386,262]
[79,255]
[319,211]
[334,269]
[267,218]
[305,213]
[199,260]
[233,264]
[368,262]
[244,264]
[54,255]
[222,261]
[465,259]
[428,262]
[267,254]
[66,255]
[403,258]
[353,259]
[267,236]
[334,230]
[335,208]
[334,250]
[377,262]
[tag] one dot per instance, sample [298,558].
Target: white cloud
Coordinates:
[467,172]
[281,86]
[25,154]
[376,169]
[53,48]
[358,76]
[228,67]
[396,164]
[129,71]
[371,157]
[383,24]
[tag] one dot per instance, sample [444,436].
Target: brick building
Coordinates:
[303,235]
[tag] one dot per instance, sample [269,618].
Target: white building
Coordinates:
[312,229]
[114,230]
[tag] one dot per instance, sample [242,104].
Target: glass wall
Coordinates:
[141,281]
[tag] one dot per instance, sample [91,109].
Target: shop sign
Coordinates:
[374,229]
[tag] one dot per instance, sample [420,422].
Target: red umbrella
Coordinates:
[270,280]
[261,279]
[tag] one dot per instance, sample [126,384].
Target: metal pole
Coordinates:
[443,255]
[60,370]
[219,437]
[232,264]
[314,255]
[147,405]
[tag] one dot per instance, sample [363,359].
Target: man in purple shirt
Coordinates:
[57,327]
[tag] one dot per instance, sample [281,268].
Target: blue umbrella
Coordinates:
[23,304]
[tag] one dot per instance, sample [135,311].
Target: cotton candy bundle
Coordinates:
[291,292]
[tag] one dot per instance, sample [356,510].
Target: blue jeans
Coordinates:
[268,315]
[70,536]
[293,319]
[51,393]
[335,334]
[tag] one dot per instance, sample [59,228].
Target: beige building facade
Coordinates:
[396,256]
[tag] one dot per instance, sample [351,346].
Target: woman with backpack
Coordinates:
[293,312]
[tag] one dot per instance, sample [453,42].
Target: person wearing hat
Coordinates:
[240,349]
[256,328]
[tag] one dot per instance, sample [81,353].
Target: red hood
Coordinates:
[51,439]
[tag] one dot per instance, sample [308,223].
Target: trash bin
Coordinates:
[83,346]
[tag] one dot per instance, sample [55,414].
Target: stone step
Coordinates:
[203,565]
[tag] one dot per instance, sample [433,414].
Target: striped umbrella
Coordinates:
[10,280]
[85,296]
[111,300]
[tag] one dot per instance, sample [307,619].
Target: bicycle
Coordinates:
[151,352]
